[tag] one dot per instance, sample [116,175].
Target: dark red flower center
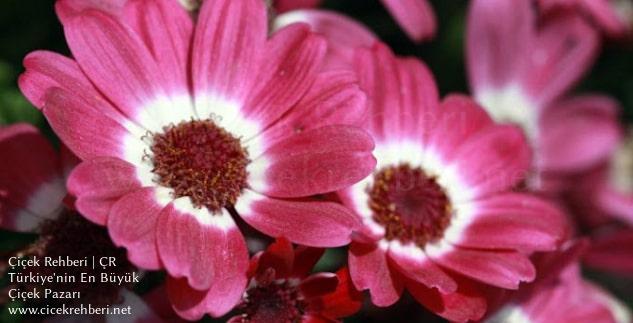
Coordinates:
[201,160]
[277,301]
[409,204]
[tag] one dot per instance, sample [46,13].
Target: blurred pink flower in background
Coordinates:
[614,17]
[439,217]
[561,295]
[172,150]
[415,17]
[520,70]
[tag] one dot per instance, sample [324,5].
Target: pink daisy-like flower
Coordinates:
[520,71]
[561,295]
[415,17]
[614,17]
[282,289]
[439,218]
[181,126]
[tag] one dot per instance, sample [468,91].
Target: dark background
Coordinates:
[27,25]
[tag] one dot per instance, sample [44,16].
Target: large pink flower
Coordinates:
[520,71]
[415,17]
[439,217]
[181,126]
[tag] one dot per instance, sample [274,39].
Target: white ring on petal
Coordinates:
[509,314]
[221,220]
[45,203]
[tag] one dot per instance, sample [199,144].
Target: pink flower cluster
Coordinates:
[201,131]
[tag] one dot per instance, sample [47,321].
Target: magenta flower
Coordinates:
[439,217]
[614,17]
[181,125]
[561,295]
[415,17]
[520,71]
[282,289]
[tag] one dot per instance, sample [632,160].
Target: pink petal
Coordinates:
[31,187]
[564,50]
[613,253]
[503,269]
[416,17]
[578,133]
[343,33]
[605,14]
[223,295]
[201,246]
[499,33]
[167,30]
[99,183]
[45,70]
[287,5]
[418,267]
[89,126]
[310,223]
[460,120]
[465,304]
[514,221]
[132,224]
[370,270]
[290,68]
[318,284]
[116,60]
[615,203]
[316,161]
[66,9]
[493,160]
[227,45]
[333,98]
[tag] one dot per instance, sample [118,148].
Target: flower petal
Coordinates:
[512,221]
[291,66]
[416,17]
[119,64]
[345,300]
[343,34]
[492,160]
[203,247]
[498,35]
[310,223]
[98,183]
[465,304]
[414,264]
[613,253]
[279,256]
[318,284]
[503,269]
[167,30]
[577,133]
[132,224]
[316,161]
[224,293]
[227,45]
[370,270]
[288,5]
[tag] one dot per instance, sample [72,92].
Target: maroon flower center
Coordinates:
[273,302]
[201,160]
[409,204]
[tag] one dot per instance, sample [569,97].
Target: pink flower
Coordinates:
[415,17]
[181,126]
[520,72]
[561,296]
[614,17]
[439,217]
[282,289]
